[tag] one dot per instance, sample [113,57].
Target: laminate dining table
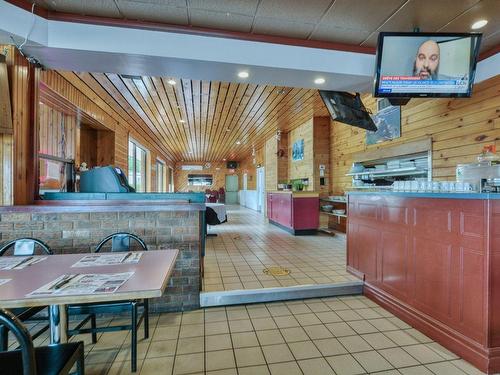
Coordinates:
[149,280]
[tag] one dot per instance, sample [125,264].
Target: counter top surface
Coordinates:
[429,195]
[103,206]
[297,194]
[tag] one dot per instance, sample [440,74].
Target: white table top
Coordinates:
[220,210]
[149,280]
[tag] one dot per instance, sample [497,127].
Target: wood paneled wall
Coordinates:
[114,142]
[283,159]
[217,169]
[271,163]
[459,128]
[249,166]
[6,174]
[19,170]
[57,132]
[302,168]
[321,142]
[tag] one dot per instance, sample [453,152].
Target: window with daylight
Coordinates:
[137,166]
[161,176]
[200,179]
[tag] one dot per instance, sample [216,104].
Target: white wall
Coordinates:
[248,199]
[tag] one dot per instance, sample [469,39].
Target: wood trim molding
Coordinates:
[463,346]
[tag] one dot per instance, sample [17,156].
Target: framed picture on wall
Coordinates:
[388,122]
[298,150]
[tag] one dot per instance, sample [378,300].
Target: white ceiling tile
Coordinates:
[273,26]
[331,33]
[294,10]
[153,12]
[365,15]
[247,7]
[218,20]
[486,9]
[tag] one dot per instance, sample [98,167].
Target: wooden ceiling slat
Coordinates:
[212,105]
[223,141]
[141,105]
[138,88]
[177,112]
[170,112]
[116,82]
[205,98]
[221,97]
[153,99]
[156,108]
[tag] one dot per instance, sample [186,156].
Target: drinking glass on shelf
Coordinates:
[444,186]
[428,186]
[407,186]
[414,186]
[436,186]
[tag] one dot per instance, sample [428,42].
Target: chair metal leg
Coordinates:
[80,363]
[93,325]
[146,318]
[134,337]
[4,338]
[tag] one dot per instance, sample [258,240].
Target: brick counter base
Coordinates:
[80,232]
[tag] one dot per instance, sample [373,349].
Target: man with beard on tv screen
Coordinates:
[426,65]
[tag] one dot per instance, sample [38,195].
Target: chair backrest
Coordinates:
[13,324]
[25,247]
[120,242]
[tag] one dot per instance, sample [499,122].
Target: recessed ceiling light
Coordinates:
[238,142]
[224,159]
[228,129]
[182,121]
[478,24]
[190,152]
[171,81]
[243,74]
[319,81]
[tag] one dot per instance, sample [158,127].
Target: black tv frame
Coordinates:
[378,61]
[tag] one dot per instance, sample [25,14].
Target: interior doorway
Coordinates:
[261,190]
[231,189]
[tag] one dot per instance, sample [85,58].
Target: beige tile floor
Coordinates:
[336,335]
[247,244]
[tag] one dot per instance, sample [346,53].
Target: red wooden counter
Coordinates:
[434,261]
[296,212]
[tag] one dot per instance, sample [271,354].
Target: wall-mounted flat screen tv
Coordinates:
[410,65]
[347,108]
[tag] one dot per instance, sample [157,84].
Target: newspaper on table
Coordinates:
[4,281]
[18,262]
[77,284]
[91,260]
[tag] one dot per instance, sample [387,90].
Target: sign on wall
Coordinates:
[298,150]
[388,122]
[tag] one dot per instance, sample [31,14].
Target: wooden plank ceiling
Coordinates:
[196,120]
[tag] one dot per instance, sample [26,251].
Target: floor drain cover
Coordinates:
[276,271]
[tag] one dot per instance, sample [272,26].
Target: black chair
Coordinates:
[24,247]
[120,242]
[50,360]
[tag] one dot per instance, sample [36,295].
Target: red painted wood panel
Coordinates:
[293,213]
[435,259]
[305,213]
